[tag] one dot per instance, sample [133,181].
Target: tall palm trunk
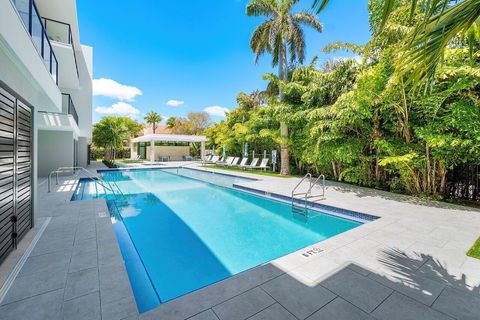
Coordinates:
[283,75]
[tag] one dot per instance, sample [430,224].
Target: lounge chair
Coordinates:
[234,162]
[252,164]
[263,165]
[207,159]
[226,162]
[214,159]
[137,157]
[242,163]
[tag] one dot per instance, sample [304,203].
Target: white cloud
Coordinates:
[112,89]
[216,111]
[120,108]
[175,103]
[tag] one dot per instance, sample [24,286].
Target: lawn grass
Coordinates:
[260,172]
[474,251]
[129,161]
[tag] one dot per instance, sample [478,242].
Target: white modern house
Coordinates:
[45,104]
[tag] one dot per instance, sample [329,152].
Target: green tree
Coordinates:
[424,48]
[199,120]
[281,33]
[153,118]
[111,132]
[171,122]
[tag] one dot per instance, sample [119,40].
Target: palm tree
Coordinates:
[153,118]
[171,122]
[281,33]
[442,21]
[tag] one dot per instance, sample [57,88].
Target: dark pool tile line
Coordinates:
[176,167]
[340,211]
[223,174]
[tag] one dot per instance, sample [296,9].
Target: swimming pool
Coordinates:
[179,233]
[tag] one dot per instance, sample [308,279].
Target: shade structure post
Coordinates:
[132,149]
[152,150]
[202,149]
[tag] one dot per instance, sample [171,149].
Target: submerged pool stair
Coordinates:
[300,199]
[113,194]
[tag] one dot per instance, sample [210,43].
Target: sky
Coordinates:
[173,57]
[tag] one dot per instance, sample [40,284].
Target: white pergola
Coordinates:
[152,138]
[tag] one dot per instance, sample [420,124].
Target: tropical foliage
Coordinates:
[111,133]
[365,120]
[439,22]
[281,33]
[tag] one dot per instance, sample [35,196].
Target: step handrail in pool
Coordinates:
[308,194]
[322,177]
[309,176]
[89,175]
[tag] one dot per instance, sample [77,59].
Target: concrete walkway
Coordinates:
[75,270]
[410,264]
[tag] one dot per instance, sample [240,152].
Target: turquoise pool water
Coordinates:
[179,234]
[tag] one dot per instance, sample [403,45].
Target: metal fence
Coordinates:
[463,183]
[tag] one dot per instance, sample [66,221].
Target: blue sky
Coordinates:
[174,57]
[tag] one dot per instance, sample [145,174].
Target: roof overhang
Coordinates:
[170,138]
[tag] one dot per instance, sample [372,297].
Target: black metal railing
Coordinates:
[463,182]
[68,107]
[31,18]
[60,31]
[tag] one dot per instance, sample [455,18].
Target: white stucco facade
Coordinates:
[59,96]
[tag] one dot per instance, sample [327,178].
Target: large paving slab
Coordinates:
[62,278]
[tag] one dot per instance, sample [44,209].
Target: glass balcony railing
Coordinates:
[59,31]
[33,22]
[68,107]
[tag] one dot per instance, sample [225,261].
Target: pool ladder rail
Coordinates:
[119,199]
[305,197]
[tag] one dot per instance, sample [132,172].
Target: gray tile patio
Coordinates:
[410,264]
[76,270]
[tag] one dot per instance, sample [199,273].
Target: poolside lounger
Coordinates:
[234,162]
[242,163]
[252,164]
[226,162]
[214,159]
[207,160]
[263,165]
[137,157]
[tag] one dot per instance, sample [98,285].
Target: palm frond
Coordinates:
[336,46]
[297,44]
[287,5]
[308,19]
[424,51]
[260,40]
[258,8]
[319,5]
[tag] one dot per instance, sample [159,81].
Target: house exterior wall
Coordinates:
[22,68]
[174,152]
[35,82]
[55,149]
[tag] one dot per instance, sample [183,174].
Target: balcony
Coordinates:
[60,35]
[65,121]
[33,23]
[68,107]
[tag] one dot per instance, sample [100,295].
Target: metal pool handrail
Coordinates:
[89,174]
